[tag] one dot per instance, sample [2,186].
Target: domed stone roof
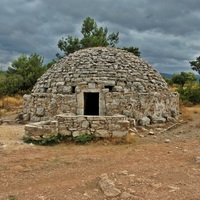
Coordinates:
[110,67]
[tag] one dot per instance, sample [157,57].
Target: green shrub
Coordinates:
[46,140]
[50,140]
[190,93]
[83,139]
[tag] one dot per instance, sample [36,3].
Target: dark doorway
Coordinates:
[91,103]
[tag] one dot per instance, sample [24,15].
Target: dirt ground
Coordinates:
[157,166]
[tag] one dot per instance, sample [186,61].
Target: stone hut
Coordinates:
[101,84]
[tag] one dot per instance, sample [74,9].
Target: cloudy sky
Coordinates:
[166,32]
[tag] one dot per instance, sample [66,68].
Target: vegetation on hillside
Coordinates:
[186,85]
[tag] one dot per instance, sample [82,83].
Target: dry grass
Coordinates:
[173,88]
[188,112]
[10,104]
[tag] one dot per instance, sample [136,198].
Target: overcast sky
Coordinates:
[167,32]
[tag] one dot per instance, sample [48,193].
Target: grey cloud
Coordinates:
[166,32]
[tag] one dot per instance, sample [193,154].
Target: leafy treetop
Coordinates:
[93,36]
[27,69]
[196,64]
[183,77]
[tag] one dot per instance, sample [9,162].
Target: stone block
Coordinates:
[85,124]
[145,121]
[26,117]
[158,120]
[102,133]
[67,89]
[60,83]
[27,97]
[65,132]
[91,85]
[40,112]
[119,133]
[32,130]
[75,133]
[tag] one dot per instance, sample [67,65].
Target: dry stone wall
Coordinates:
[65,125]
[99,126]
[155,105]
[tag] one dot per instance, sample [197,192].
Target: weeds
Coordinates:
[83,139]
[50,140]
[11,197]
[46,140]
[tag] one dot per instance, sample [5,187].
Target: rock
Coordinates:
[126,195]
[125,172]
[167,141]
[173,113]
[197,159]
[132,131]
[26,117]
[40,112]
[108,186]
[164,115]
[170,119]
[158,120]
[151,133]
[27,97]
[173,188]
[144,121]
[20,116]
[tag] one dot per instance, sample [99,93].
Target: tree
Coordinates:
[196,64]
[93,36]
[134,50]
[183,77]
[27,70]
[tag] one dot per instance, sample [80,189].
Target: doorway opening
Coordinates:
[91,103]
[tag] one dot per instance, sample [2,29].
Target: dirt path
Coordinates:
[157,166]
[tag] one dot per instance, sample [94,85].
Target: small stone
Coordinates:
[197,159]
[173,188]
[159,129]
[126,195]
[108,186]
[144,121]
[151,133]
[167,141]
[132,175]
[125,172]
[40,112]
[143,129]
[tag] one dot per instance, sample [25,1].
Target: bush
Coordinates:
[83,139]
[46,140]
[191,93]
[50,140]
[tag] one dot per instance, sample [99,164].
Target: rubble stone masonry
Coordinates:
[124,84]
